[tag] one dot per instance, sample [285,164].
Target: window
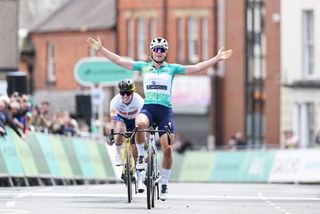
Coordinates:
[308,42]
[193,40]
[51,62]
[255,71]
[205,39]
[141,39]
[181,38]
[304,123]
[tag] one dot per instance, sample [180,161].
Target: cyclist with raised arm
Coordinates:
[124,108]
[157,81]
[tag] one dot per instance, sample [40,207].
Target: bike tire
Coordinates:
[128,175]
[149,177]
[153,193]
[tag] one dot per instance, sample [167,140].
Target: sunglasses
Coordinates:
[157,49]
[128,93]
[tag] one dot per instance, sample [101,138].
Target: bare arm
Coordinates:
[222,55]
[97,45]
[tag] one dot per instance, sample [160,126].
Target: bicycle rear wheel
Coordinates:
[128,175]
[150,181]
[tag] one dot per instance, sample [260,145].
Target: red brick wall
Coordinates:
[69,48]
[272,86]
[233,98]
[155,8]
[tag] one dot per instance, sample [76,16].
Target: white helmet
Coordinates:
[159,42]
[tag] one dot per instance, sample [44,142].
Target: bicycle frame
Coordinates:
[153,169]
[126,153]
[129,163]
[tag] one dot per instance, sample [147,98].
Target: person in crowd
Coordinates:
[291,140]
[181,144]
[237,141]
[6,119]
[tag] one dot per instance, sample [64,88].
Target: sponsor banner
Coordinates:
[197,166]
[228,166]
[49,155]
[107,163]
[3,167]
[83,157]
[96,159]
[72,156]
[296,166]
[24,154]
[38,155]
[257,166]
[11,164]
[177,166]
[242,166]
[285,167]
[61,156]
[310,167]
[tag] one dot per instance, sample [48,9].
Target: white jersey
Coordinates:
[129,111]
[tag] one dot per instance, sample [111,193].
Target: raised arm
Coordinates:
[221,55]
[97,45]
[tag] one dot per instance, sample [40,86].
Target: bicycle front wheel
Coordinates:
[128,175]
[149,179]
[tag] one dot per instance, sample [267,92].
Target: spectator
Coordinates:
[37,121]
[237,141]
[70,125]
[56,125]
[181,145]
[290,139]
[6,119]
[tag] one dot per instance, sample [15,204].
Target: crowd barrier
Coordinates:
[54,157]
[254,166]
[46,159]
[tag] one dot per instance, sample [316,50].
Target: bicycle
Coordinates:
[129,163]
[153,170]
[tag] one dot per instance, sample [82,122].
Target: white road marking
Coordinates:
[184,197]
[267,200]
[8,211]
[10,203]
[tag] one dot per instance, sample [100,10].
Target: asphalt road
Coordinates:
[183,198]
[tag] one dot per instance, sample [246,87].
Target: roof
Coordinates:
[80,14]
[33,12]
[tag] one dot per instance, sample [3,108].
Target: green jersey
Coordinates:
[157,82]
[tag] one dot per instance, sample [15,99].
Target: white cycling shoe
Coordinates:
[140,185]
[163,192]
[118,160]
[140,165]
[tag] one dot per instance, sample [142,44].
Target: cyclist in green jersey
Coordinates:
[157,82]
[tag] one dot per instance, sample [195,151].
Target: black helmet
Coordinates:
[126,85]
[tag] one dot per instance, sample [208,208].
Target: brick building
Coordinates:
[60,41]
[244,91]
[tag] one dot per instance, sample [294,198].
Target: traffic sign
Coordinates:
[90,71]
